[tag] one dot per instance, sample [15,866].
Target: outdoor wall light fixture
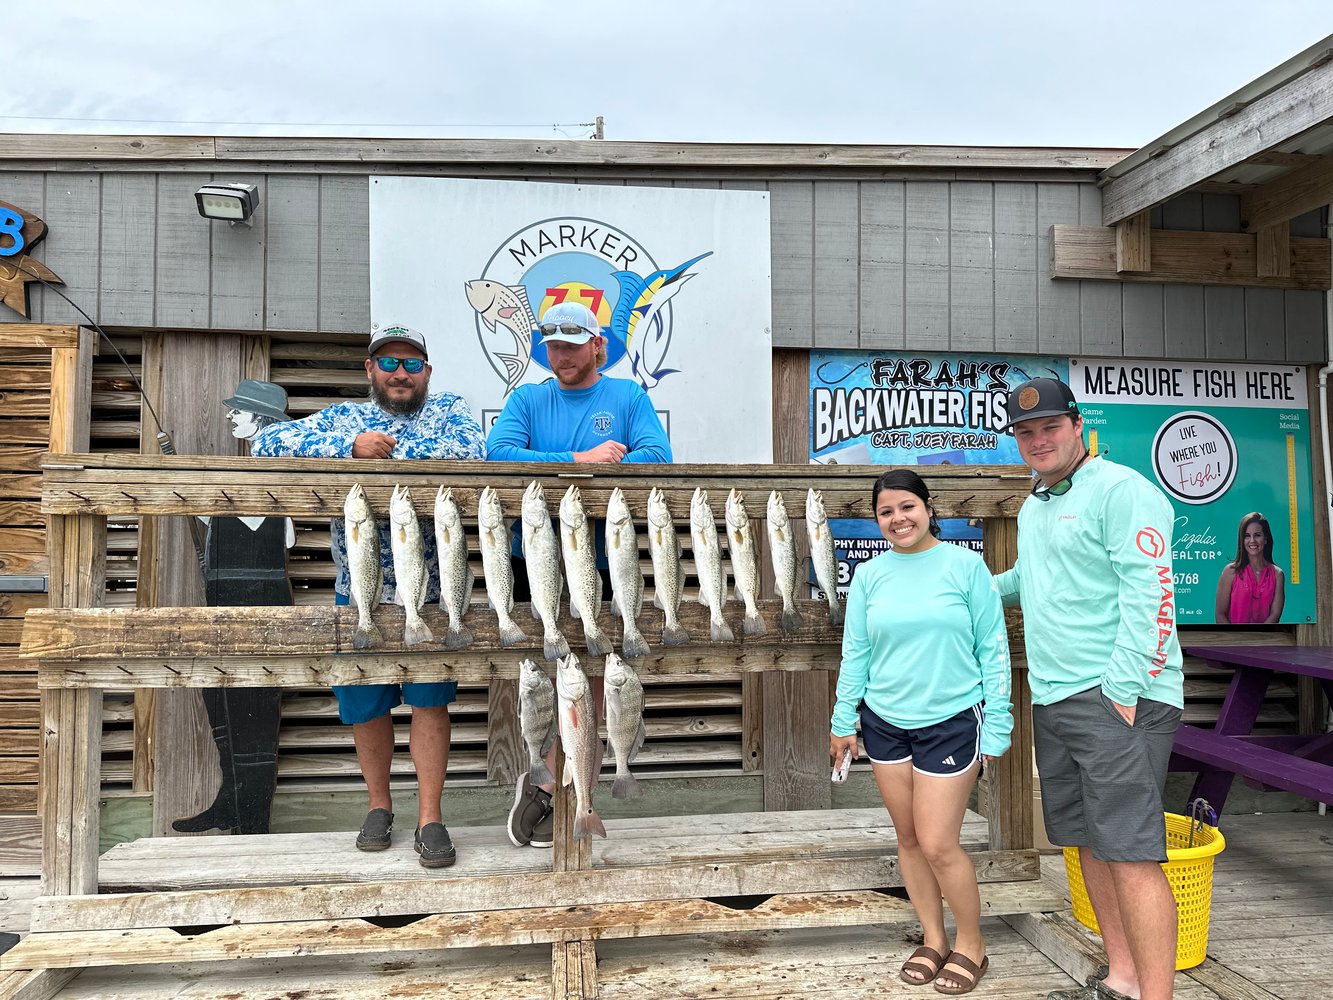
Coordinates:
[234,203]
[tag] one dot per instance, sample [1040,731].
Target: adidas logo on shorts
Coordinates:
[950,761]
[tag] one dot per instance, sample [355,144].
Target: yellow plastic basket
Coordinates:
[1190,872]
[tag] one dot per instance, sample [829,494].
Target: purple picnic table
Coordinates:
[1302,765]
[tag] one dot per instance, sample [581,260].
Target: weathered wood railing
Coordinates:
[82,649]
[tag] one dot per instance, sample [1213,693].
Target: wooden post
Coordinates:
[1133,243]
[1311,706]
[1274,259]
[1009,798]
[573,962]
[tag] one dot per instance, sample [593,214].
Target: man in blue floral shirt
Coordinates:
[403,419]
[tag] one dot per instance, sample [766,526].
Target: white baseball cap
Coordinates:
[570,323]
[395,334]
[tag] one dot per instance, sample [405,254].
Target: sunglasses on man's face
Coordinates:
[568,329]
[410,365]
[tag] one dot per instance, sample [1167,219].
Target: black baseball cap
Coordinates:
[1039,397]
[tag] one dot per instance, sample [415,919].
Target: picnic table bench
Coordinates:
[1302,765]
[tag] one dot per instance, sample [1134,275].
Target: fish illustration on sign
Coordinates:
[505,306]
[637,318]
[20,231]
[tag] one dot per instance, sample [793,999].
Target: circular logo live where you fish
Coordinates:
[581,260]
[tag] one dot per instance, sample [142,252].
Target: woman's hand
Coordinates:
[838,744]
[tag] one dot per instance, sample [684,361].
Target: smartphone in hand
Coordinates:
[840,771]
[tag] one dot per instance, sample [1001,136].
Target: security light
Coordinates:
[233,202]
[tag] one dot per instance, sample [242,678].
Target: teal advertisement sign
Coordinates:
[1225,442]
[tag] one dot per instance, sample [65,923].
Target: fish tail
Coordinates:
[626,786]
[554,645]
[720,631]
[417,632]
[586,824]
[674,635]
[753,625]
[835,611]
[367,636]
[540,774]
[791,619]
[459,637]
[511,634]
[635,644]
[595,639]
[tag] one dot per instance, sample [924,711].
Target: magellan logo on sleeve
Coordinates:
[1151,543]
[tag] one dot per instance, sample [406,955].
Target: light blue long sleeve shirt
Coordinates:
[1093,576]
[924,639]
[443,428]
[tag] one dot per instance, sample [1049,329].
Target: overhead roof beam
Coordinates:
[1282,114]
[1294,193]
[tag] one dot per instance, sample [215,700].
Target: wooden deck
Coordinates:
[1271,938]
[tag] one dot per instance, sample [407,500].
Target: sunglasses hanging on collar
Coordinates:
[1044,493]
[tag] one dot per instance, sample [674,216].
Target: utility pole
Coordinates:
[598,133]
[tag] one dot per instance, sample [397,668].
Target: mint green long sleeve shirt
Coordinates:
[923,640]
[1093,577]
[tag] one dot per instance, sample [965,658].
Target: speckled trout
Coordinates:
[456,577]
[495,566]
[624,723]
[363,564]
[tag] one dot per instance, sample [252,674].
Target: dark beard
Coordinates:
[411,405]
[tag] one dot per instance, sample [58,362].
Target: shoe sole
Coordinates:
[372,845]
[541,844]
[436,862]
[509,823]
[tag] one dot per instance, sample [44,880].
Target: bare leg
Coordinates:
[1137,915]
[429,743]
[896,787]
[939,805]
[374,755]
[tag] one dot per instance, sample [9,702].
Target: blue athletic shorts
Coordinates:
[944,749]
[365,702]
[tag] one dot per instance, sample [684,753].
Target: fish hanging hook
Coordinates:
[819,372]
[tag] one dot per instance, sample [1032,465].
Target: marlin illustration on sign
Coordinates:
[582,260]
[20,231]
[507,306]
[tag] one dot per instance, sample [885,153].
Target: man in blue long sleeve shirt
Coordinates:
[580,415]
[402,420]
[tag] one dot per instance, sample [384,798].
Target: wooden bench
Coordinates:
[1268,767]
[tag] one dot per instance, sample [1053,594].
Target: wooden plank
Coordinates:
[1133,243]
[464,892]
[506,754]
[38,984]
[1307,188]
[25,404]
[1264,124]
[14,376]
[236,299]
[836,264]
[16,336]
[792,214]
[882,255]
[1017,272]
[971,266]
[344,254]
[18,798]
[71,758]
[1088,252]
[1274,259]
[926,282]
[181,260]
[129,246]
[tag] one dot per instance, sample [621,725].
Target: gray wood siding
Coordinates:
[930,264]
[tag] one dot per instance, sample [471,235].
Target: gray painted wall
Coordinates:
[887,264]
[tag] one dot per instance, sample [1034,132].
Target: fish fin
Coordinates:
[549,739]
[555,645]
[626,786]
[640,738]
[638,596]
[536,615]
[511,635]
[471,580]
[703,598]
[791,620]
[575,610]
[588,824]
[567,778]
[635,645]
[674,635]
[720,631]
[417,632]
[367,638]
[835,612]
[657,600]
[540,774]
[595,639]
[753,625]
[458,638]
[615,605]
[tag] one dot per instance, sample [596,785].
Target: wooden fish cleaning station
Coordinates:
[200,901]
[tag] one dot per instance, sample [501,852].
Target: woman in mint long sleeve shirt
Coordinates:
[925,669]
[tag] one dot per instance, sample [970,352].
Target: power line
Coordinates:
[273,124]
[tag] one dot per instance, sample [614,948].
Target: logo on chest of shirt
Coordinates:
[601,423]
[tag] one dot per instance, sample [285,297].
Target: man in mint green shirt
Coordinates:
[1093,577]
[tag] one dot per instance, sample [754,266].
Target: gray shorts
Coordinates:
[1101,779]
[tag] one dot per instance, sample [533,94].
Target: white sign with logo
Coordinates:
[678,279]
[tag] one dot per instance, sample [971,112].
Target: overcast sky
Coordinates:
[1066,73]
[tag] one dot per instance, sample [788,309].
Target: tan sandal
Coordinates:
[928,972]
[970,971]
